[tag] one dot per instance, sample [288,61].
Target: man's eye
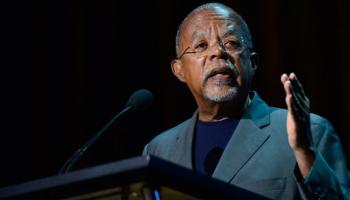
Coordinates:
[232,45]
[201,46]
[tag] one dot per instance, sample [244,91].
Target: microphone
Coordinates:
[138,101]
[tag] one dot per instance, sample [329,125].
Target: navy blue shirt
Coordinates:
[211,139]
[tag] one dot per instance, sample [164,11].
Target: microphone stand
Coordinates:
[69,164]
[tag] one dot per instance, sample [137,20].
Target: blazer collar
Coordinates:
[258,111]
[183,150]
[246,140]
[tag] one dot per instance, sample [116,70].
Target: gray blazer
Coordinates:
[258,157]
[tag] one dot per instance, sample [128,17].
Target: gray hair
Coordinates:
[214,6]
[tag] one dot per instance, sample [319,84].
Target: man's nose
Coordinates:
[217,50]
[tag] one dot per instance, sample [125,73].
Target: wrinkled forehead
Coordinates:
[204,22]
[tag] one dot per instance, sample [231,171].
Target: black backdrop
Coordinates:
[69,65]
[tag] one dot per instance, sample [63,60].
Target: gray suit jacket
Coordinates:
[258,156]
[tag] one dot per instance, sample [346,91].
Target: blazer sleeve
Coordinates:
[329,177]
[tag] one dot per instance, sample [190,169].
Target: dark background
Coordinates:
[68,66]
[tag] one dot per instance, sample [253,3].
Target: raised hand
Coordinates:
[298,122]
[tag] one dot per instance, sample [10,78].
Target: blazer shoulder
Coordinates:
[169,136]
[320,126]
[278,114]
[318,120]
[322,129]
[315,120]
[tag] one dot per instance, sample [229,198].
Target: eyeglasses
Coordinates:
[201,48]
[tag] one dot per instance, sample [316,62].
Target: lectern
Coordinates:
[143,177]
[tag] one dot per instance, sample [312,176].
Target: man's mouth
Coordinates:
[221,74]
[221,77]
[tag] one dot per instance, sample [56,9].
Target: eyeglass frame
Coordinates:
[221,45]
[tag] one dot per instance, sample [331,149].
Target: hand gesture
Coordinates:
[298,122]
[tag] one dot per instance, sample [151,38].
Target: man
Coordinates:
[234,135]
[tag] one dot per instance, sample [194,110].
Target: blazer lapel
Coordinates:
[182,152]
[245,142]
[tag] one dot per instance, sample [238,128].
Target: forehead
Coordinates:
[206,21]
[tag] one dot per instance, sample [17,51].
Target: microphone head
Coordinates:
[140,100]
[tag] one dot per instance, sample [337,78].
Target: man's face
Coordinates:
[214,61]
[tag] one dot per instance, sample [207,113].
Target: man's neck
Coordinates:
[211,111]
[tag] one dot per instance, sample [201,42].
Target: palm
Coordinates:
[298,117]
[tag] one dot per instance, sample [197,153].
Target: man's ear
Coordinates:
[254,58]
[177,69]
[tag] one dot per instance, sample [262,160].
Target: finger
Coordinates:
[297,88]
[292,75]
[299,98]
[284,78]
[299,94]
[303,101]
[296,102]
[300,102]
[289,96]
[297,83]
[301,111]
[286,85]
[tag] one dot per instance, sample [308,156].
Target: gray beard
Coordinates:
[226,96]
